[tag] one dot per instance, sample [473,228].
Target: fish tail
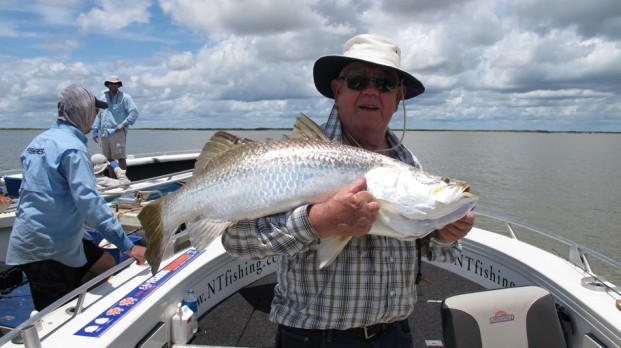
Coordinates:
[330,248]
[150,219]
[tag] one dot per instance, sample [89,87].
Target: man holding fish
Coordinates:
[363,295]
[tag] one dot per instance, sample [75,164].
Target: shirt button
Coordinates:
[392,293]
[392,259]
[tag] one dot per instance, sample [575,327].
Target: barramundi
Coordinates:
[238,179]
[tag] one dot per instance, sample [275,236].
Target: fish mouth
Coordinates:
[458,191]
[467,192]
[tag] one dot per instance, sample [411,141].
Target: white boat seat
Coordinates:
[512,317]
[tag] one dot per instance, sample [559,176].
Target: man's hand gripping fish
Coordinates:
[238,179]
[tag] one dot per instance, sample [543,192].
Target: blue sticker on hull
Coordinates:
[112,315]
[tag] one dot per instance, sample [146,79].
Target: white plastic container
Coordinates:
[190,300]
[182,324]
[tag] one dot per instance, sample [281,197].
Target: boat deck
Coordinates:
[242,319]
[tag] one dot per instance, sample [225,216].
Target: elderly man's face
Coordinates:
[367,108]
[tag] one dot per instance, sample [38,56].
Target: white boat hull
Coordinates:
[495,261]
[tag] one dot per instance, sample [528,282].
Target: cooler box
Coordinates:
[12,185]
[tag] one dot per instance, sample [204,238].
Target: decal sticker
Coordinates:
[112,315]
[501,316]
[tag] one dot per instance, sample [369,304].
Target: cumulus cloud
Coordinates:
[486,63]
[114,15]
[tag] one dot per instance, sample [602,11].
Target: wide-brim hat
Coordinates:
[368,48]
[100,163]
[113,79]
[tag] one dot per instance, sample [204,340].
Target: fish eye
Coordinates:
[446,180]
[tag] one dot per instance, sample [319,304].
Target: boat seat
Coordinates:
[510,317]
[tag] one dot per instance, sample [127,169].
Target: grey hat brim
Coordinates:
[328,68]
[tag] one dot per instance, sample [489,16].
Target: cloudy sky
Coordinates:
[487,64]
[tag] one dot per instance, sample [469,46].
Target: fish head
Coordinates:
[453,196]
[441,196]
[417,195]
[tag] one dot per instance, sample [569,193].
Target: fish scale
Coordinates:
[248,180]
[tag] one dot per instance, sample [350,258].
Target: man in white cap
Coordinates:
[362,299]
[112,124]
[101,163]
[58,195]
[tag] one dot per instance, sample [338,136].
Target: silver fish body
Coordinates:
[263,178]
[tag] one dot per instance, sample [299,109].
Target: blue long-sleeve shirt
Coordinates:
[57,196]
[121,110]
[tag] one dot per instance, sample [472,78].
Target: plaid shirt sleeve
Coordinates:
[287,233]
[435,249]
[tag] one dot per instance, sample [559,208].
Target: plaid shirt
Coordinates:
[371,281]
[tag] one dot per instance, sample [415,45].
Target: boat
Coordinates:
[135,308]
[152,175]
[128,306]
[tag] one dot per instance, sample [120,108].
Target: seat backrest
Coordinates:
[512,317]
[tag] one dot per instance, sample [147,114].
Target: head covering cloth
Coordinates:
[77,106]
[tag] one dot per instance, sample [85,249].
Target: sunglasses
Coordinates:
[383,84]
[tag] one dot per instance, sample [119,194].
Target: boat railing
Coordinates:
[580,255]
[168,177]
[162,153]
[28,331]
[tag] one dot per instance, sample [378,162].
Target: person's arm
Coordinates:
[96,124]
[280,234]
[92,206]
[132,112]
[444,245]
[350,211]
[121,177]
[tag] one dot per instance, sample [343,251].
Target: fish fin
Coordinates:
[330,248]
[306,129]
[382,227]
[157,238]
[218,144]
[203,231]
[169,251]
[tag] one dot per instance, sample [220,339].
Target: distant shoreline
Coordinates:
[397,129]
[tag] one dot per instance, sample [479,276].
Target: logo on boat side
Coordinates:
[117,311]
[501,316]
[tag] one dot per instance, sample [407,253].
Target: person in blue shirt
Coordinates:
[58,195]
[112,124]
